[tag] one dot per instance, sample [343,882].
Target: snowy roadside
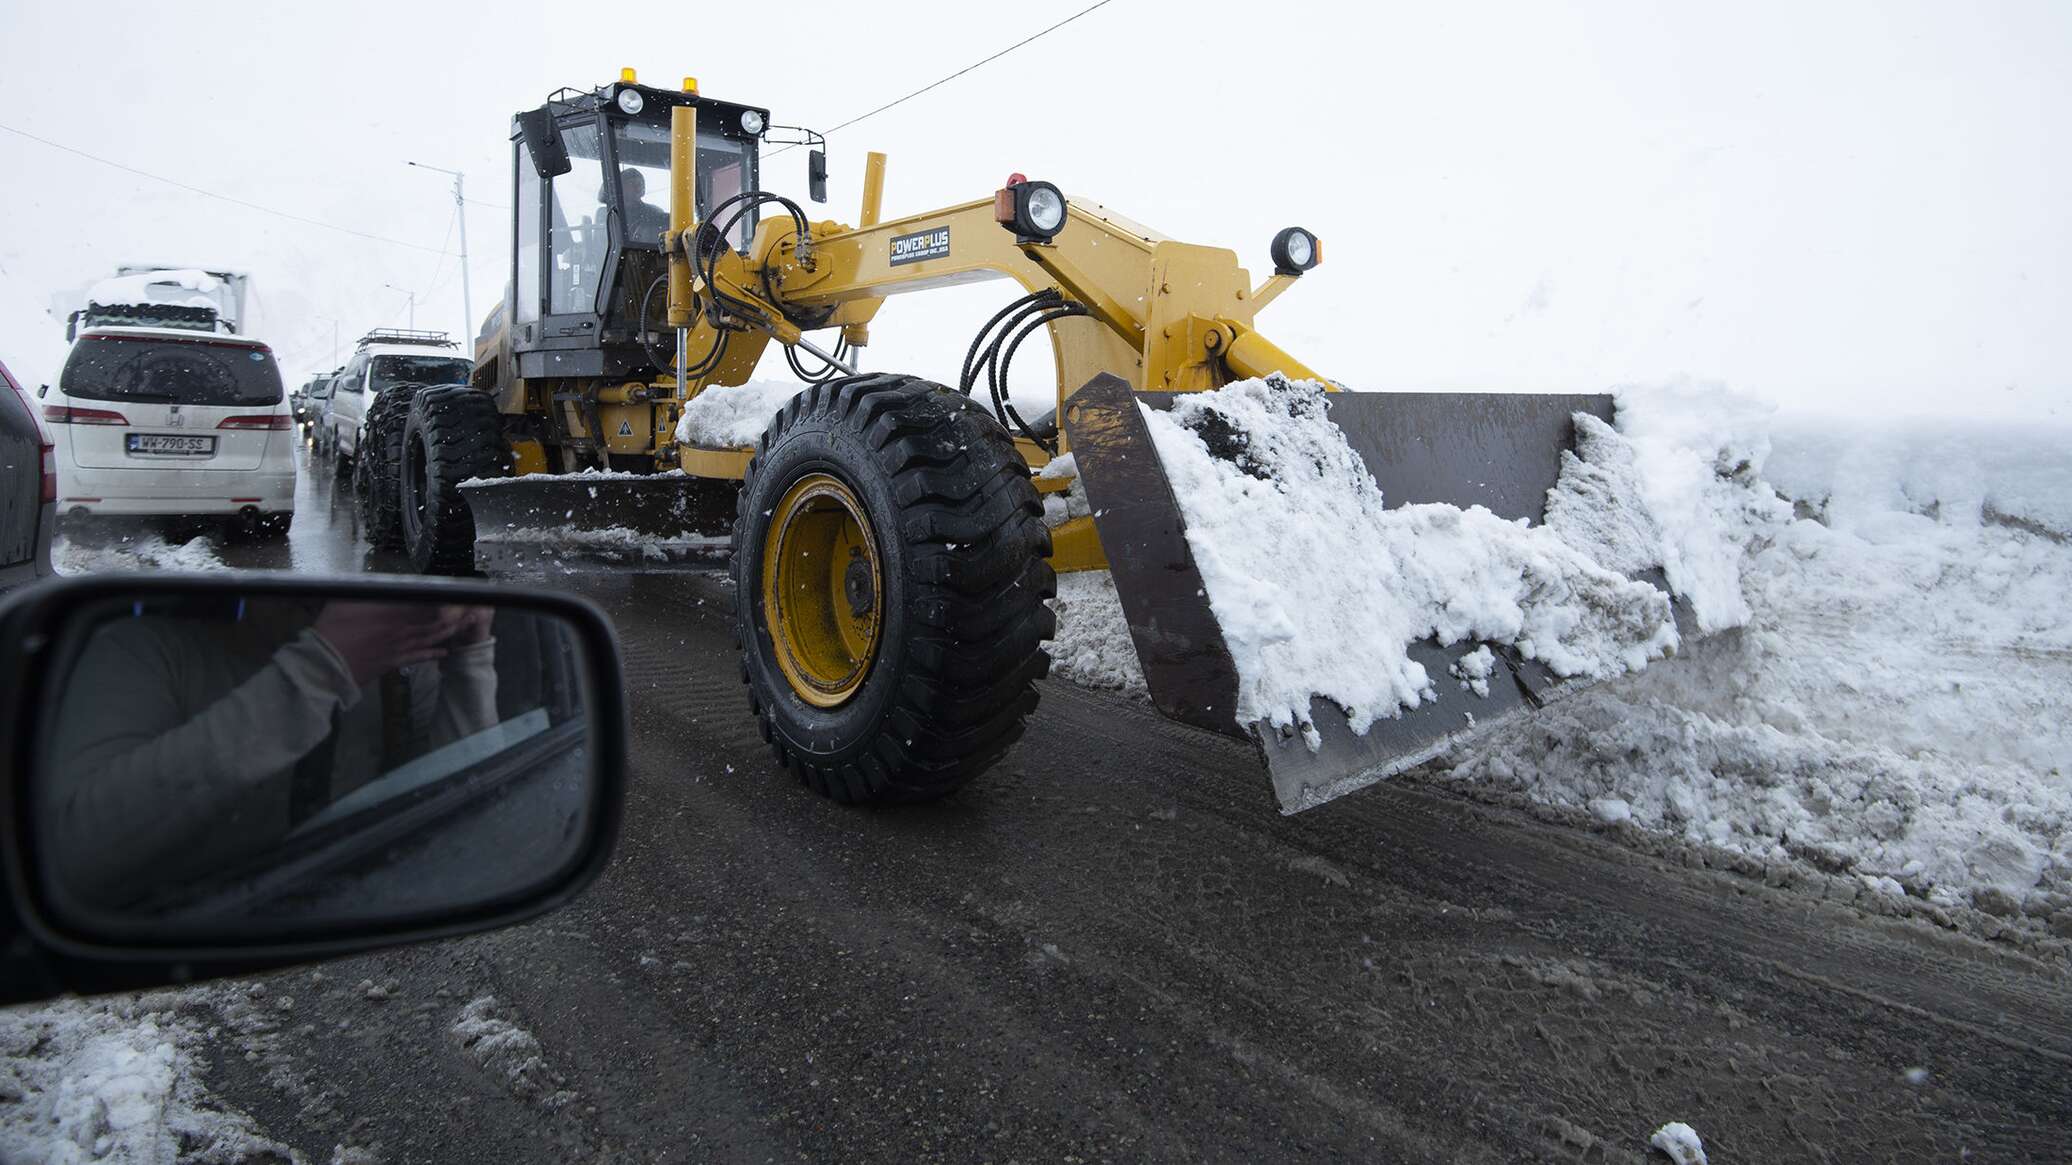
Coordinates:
[1886,699]
[116,1080]
[140,551]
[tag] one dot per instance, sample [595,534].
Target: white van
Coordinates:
[385,358]
[175,423]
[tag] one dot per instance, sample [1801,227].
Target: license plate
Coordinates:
[169,445]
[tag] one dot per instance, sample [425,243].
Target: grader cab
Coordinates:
[886,534]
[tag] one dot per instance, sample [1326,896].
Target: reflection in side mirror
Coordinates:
[243,765]
[816,175]
[543,142]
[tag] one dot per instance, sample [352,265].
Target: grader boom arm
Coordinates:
[1167,316]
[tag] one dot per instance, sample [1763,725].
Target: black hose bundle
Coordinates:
[692,371]
[1014,323]
[829,369]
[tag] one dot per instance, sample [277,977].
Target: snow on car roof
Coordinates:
[124,331]
[190,287]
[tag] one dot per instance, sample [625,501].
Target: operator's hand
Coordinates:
[473,626]
[376,638]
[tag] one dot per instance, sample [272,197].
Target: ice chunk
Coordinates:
[1680,1141]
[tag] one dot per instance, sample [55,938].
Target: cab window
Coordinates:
[725,168]
[576,237]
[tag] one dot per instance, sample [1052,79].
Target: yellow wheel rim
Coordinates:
[823,593]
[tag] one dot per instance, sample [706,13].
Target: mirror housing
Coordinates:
[543,143]
[816,175]
[514,774]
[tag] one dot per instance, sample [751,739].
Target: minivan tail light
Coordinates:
[68,415]
[50,474]
[258,421]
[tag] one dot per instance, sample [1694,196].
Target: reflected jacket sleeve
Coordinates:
[134,777]
[467,692]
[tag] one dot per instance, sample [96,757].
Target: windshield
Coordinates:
[170,371]
[393,370]
[725,168]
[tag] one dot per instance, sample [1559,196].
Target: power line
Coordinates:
[959,73]
[213,194]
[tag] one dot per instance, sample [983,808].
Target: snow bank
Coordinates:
[114,1081]
[1899,705]
[1962,472]
[731,417]
[115,552]
[1320,589]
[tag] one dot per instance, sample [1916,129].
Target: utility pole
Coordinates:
[460,210]
[413,302]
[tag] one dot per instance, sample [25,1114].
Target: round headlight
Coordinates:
[631,102]
[751,123]
[1294,251]
[1044,209]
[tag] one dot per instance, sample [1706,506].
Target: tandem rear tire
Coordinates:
[378,467]
[451,434]
[890,572]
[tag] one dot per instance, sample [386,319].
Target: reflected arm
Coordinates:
[140,781]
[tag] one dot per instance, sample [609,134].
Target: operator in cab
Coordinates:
[645,222]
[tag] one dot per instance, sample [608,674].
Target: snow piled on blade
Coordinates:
[115,1081]
[729,417]
[1320,589]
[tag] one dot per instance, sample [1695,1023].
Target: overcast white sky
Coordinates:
[1857,206]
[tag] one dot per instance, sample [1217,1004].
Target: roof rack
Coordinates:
[407,336]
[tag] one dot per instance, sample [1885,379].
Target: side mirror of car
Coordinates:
[816,175]
[42,390]
[208,775]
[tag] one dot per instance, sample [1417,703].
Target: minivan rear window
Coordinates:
[170,371]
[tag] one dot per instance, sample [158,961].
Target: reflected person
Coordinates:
[189,743]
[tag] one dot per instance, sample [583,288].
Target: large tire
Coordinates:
[378,467]
[946,564]
[452,433]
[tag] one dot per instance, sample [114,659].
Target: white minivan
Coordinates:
[173,423]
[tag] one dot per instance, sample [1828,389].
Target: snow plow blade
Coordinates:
[1499,451]
[536,522]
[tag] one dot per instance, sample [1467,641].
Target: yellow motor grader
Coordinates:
[885,534]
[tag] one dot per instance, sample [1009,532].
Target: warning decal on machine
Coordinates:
[929,244]
[625,428]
